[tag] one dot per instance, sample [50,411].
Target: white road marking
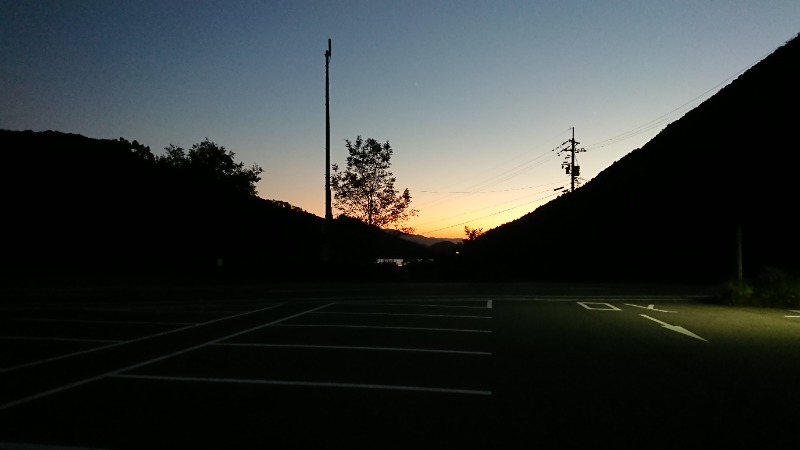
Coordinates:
[676,328]
[29,446]
[150,361]
[51,391]
[401,314]
[116,322]
[488,304]
[609,306]
[425,305]
[117,344]
[377,327]
[632,298]
[349,347]
[311,384]
[59,339]
[650,307]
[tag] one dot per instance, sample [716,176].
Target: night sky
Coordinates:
[471,95]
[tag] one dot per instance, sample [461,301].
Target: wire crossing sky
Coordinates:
[474,96]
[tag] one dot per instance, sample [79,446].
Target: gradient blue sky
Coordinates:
[472,95]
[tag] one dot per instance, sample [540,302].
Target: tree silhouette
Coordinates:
[212,161]
[142,151]
[365,189]
[173,156]
[473,233]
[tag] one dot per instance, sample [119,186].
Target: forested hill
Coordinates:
[671,209]
[74,205]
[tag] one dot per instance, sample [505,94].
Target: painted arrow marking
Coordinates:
[675,328]
[650,307]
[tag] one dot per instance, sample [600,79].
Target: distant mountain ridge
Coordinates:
[423,240]
[76,206]
[672,208]
[669,211]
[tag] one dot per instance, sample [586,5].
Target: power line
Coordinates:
[489,215]
[484,192]
[503,176]
[494,181]
[522,168]
[671,114]
[490,206]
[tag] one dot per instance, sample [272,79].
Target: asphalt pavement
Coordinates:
[510,367]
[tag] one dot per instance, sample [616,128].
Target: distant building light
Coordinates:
[390,261]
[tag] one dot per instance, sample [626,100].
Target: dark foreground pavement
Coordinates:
[547,367]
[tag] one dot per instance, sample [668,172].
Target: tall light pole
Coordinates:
[328,211]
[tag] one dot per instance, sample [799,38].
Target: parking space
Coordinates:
[373,346]
[459,371]
[413,372]
[338,362]
[39,333]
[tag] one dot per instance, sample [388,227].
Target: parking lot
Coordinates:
[552,368]
[354,371]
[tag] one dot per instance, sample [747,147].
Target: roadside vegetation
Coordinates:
[773,288]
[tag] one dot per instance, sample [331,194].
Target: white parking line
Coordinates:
[612,298]
[606,306]
[116,344]
[151,361]
[401,314]
[429,306]
[115,322]
[29,446]
[58,339]
[311,384]
[650,308]
[349,347]
[377,327]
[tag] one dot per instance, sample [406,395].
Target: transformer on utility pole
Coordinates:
[572,169]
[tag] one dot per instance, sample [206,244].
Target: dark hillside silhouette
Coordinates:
[81,208]
[671,208]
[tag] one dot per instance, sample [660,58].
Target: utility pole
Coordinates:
[328,210]
[739,261]
[573,170]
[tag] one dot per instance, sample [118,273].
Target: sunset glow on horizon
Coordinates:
[474,97]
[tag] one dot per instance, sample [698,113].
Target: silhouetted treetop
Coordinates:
[472,233]
[365,188]
[138,149]
[213,161]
